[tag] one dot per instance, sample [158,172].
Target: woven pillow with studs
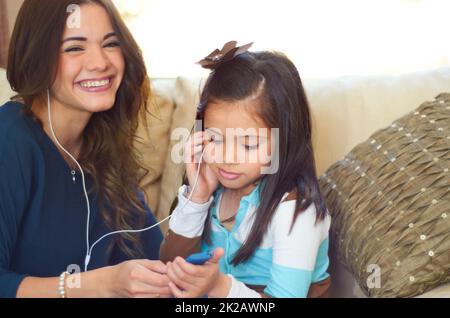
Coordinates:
[390,203]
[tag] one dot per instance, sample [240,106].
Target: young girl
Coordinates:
[269,232]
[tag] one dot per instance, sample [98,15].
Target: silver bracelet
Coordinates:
[62,284]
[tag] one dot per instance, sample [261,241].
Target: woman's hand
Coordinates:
[191,281]
[138,279]
[207,181]
[135,278]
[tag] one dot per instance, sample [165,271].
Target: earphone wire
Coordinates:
[160,222]
[79,167]
[89,247]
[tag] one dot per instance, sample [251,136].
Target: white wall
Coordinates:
[13,7]
[323,37]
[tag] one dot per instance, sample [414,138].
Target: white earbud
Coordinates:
[89,247]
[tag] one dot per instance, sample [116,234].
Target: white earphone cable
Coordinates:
[79,167]
[154,225]
[89,247]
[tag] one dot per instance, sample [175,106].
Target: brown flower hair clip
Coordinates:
[228,52]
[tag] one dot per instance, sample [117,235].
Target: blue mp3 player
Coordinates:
[200,258]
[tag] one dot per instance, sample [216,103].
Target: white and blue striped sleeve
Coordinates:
[188,218]
[296,253]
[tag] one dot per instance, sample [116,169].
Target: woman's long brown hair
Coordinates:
[108,154]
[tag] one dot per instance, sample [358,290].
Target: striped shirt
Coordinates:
[287,263]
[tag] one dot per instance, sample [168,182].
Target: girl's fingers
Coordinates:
[197,139]
[197,143]
[190,269]
[178,293]
[174,278]
[194,149]
[218,253]
[197,151]
[182,274]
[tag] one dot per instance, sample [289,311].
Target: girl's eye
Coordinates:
[251,147]
[216,140]
[73,49]
[112,44]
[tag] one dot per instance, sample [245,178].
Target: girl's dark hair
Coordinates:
[283,105]
[109,156]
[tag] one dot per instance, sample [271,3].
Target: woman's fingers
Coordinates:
[155,279]
[156,266]
[146,296]
[149,273]
[142,290]
[150,279]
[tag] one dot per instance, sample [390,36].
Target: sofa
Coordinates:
[345,112]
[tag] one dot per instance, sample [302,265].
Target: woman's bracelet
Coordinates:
[62,284]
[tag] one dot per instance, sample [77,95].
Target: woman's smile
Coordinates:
[95,85]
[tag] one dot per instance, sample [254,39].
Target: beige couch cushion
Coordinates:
[389,201]
[345,286]
[153,139]
[186,99]
[347,110]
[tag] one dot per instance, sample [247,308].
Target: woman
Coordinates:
[81,84]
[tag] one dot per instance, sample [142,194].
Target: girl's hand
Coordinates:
[191,281]
[138,279]
[207,181]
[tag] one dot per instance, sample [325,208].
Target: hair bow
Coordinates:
[228,52]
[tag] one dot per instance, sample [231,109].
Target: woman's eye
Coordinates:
[112,44]
[73,49]
[216,141]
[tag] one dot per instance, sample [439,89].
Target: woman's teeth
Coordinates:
[90,84]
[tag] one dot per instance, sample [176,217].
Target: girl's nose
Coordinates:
[230,155]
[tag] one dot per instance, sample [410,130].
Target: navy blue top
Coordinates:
[43,211]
